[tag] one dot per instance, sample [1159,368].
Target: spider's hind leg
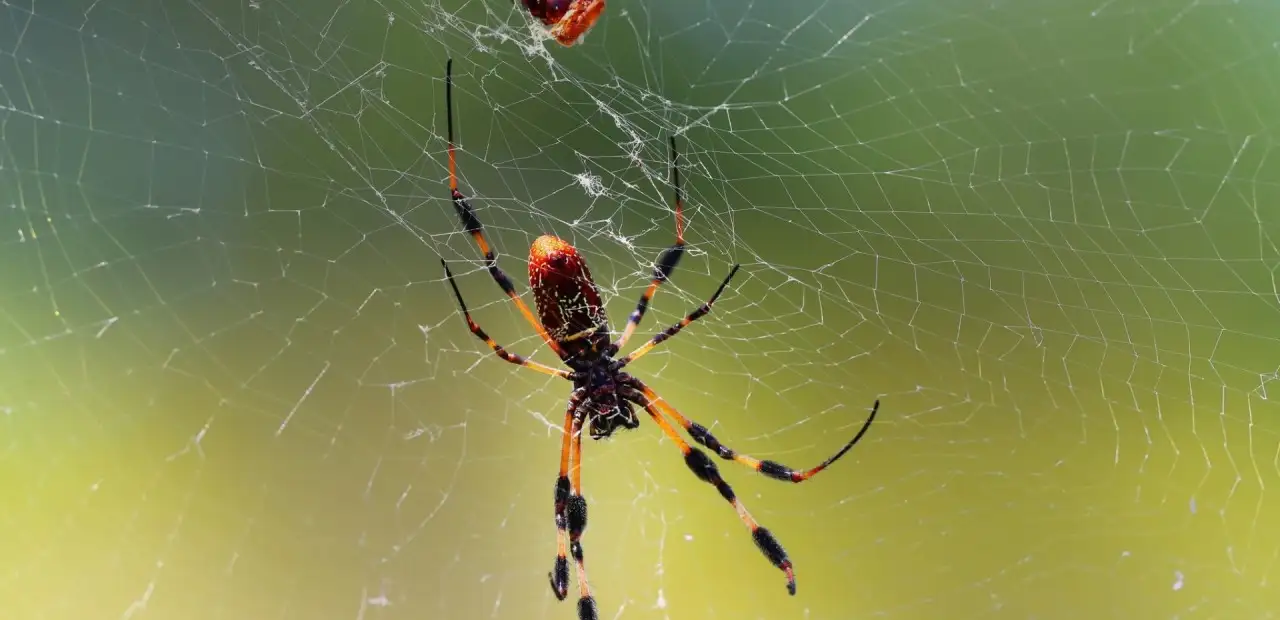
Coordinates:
[472,225]
[497,348]
[667,261]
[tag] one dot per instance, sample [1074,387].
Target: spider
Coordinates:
[603,397]
[567,20]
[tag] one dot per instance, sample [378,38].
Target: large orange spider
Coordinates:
[566,20]
[577,330]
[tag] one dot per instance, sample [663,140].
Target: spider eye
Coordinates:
[548,10]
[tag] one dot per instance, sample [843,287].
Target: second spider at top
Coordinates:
[566,20]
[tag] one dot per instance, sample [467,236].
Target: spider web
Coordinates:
[1042,234]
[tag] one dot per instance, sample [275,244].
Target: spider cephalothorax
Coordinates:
[572,322]
[607,411]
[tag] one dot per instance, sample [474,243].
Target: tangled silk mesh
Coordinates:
[1043,234]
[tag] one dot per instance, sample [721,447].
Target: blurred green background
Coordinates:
[233,384]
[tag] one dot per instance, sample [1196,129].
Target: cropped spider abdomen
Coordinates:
[549,11]
[567,20]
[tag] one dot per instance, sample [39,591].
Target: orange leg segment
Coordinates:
[705,469]
[772,469]
[472,225]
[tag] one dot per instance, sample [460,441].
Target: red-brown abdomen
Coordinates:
[567,298]
[548,11]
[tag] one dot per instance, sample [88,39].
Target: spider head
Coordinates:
[608,414]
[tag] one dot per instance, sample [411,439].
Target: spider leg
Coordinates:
[772,469]
[559,576]
[577,516]
[675,329]
[705,469]
[472,224]
[497,348]
[666,261]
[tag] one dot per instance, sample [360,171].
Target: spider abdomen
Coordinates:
[568,19]
[567,298]
[549,11]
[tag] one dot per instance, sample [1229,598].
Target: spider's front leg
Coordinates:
[571,512]
[705,469]
[772,469]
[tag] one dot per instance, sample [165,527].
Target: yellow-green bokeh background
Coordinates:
[233,385]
